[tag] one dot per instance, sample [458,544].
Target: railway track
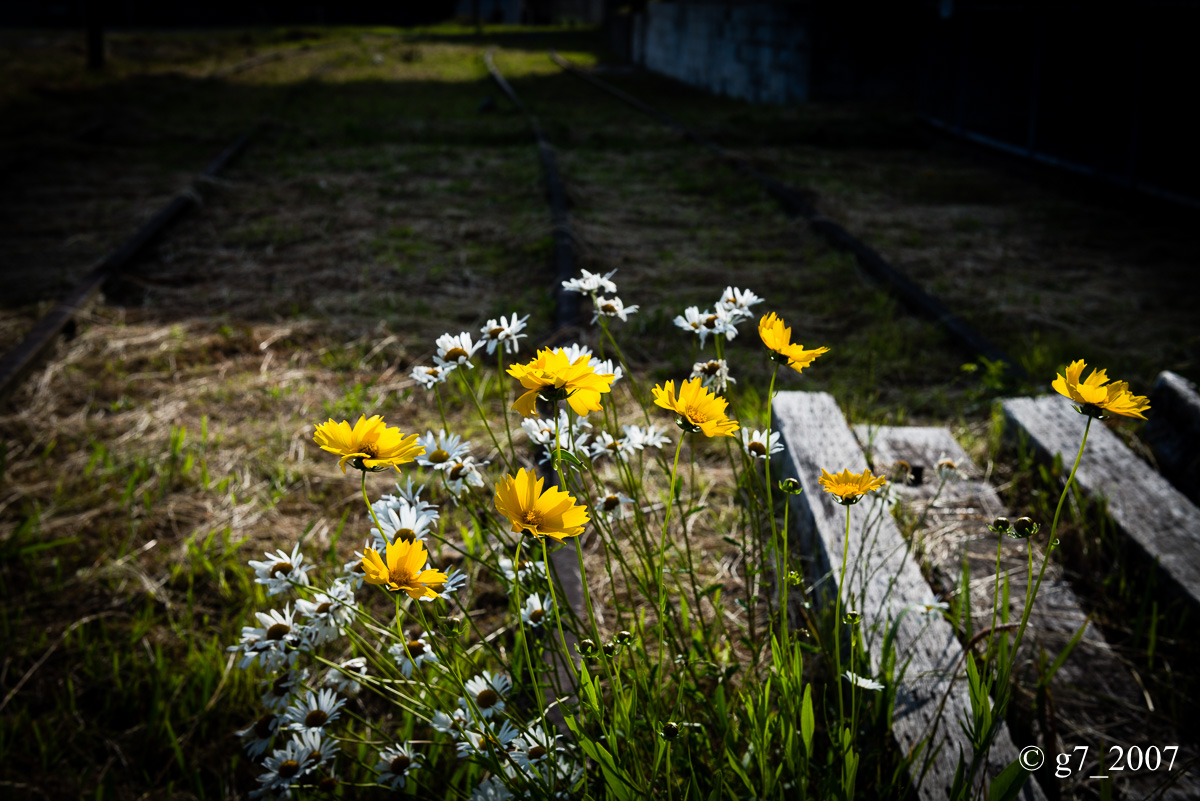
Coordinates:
[793,203]
[16,363]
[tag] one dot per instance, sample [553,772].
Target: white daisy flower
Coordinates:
[527,569]
[649,437]
[328,614]
[273,643]
[575,350]
[713,374]
[931,606]
[441,449]
[321,749]
[606,445]
[608,367]
[316,711]
[454,723]
[462,473]
[488,738]
[505,331]
[612,307]
[487,693]
[410,495]
[861,681]
[353,575]
[761,444]
[612,505]
[394,765]
[534,746]
[709,322]
[399,521]
[286,766]
[412,654]
[455,350]
[429,377]
[280,569]
[537,610]
[738,302]
[280,689]
[590,283]
[491,790]
[259,734]
[343,679]
[456,579]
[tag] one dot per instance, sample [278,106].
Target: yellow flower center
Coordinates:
[289,768]
[533,518]
[487,698]
[694,414]
[455,353]
[433,371]
[281,567]
[438,456]
[613,446]
[278,631]
[315,718]
[400,764]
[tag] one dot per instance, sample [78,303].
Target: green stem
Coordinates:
[837,619]
[662,556]
[483,417]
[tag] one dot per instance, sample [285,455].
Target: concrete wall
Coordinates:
[757,51]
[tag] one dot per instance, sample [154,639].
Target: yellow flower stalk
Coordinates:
[404,569]
[778,339]
[551,375]
[1095,395]
[850,487]
[698,409]
[369,445]
[552,513]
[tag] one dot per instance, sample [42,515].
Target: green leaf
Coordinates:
[1008,784]
[808,723]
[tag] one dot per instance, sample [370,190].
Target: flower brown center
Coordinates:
[262,729]
[400,764]
[316,718]
[537,752]
[487,698]
[281,685]
[433,371]
[455,353]
[406,534]
[758,449]
[711,368]
[608,308]
[416,647]
[457,471]
[438,456]
[281,567]
[325,607]
[495,333]
[611,502]
[711,322]
[536,615]
[289,768]
[278,631]
[613,446]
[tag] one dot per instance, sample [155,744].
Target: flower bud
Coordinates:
[1000,526]
[451,626]
[610,649]
[1023,529]
[853,617]
[791,486]
[586,647]
[624,637]
[670,730]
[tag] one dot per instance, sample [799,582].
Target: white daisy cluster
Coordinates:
[731,309]
[506,331]
[454,351]
[595,286]
[280,570]
[306,753]
[573,434]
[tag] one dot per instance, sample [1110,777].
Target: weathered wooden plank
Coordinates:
[1094,691]
[882,580]
[1143,505]
[1173,432]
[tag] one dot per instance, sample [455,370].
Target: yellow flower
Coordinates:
[555,378]
[850,487]
[552,513]
[778,339]
[404,570]
[369,445]
[698,409]
[1094,397]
